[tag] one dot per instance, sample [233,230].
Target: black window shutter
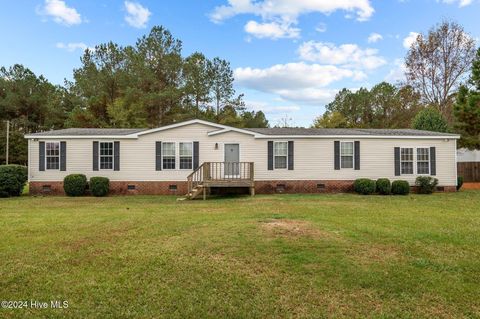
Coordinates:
[357,155]
[433,161]
[41,156]
[270,155]
[116,156]
[290,155]
[336,153]
[95,156]
[63,156]
[158,156]
[397,160]
[196,154]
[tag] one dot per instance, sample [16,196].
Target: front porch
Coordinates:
[220,175]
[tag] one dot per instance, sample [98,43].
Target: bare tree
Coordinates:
[438,62]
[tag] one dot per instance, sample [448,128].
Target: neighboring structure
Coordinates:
[184,157]
[466,155]
[468,166]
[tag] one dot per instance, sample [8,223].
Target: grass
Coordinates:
[269,256]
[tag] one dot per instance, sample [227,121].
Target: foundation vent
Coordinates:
[280,188]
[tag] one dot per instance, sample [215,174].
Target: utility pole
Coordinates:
[8,137]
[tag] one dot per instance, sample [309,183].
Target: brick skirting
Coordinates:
[303,187]
[46,188]
[117,188]
[180,188]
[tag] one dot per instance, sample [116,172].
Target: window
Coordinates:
[346,154]
[106,155]
[280,151]
[168,155]
[186,155]
[406,161]
[52,155]
[423,160]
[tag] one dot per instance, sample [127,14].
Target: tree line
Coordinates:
[148,84]
[441,91]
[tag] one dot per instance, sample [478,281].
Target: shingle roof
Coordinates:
[290,131]
[89,132]
[275,131]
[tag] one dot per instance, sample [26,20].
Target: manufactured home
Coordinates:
[195,157]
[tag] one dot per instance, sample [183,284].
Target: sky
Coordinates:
[289,57]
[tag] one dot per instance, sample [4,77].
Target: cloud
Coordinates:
[347,55]
[397,73]
[137,15]
[272,30]
[271,109]
[60,12]
[290,10]
[374,37]
[410,39]
[73,46]
[296,81]
[321,27]
[319,96]
[461,3]
[278,17]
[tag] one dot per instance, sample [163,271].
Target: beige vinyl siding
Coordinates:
[313,157]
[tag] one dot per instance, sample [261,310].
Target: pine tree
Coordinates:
[467,109]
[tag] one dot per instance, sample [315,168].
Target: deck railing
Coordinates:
[220,171]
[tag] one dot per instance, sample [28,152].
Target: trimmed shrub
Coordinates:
[426,184]
[99,186]
[459,182]
[75,184]
[400,188]
[12,180]
[364,186]
[384,186]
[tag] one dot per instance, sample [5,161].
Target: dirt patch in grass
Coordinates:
[432,306]
[375,253]
[294,228]
[105,236]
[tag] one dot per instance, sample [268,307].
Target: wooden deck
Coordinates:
[220,174]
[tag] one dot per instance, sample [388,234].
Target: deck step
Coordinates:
[195,192]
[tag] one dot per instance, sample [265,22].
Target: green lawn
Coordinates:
[268,256]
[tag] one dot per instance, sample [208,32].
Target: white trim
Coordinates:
[230,129]
[353,155]
[415,160]
[456,166]
[286,163]
[175,156]
[29,160]
[255,135]
[429,162]
[99,156]
[96,137]
[414,166]
[59,156]
[179,156]
[358,137]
